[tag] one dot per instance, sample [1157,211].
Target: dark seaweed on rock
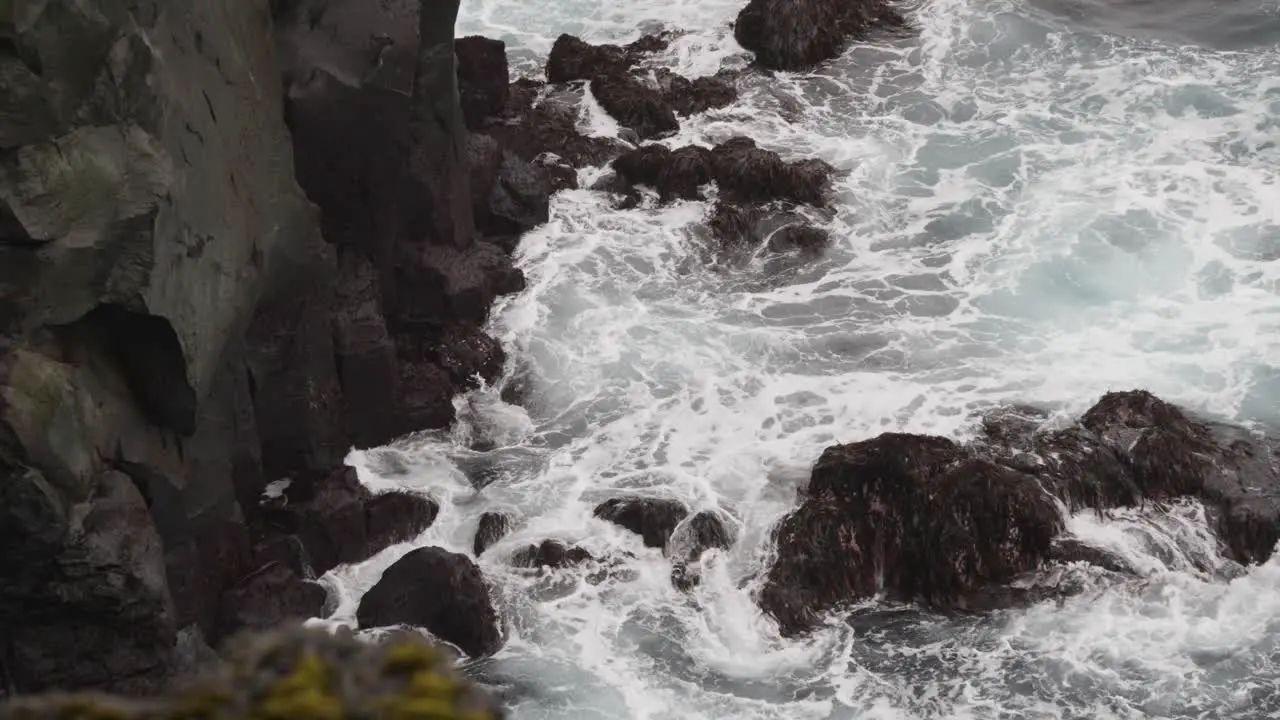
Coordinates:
[798,34]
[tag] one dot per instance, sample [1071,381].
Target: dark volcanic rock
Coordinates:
[99,612]
[911,515]
[537,127]
[271,596]
[338,521]
[797,34]
[550,553]
[443,592]
[396,517]
[689,97]
[922,517]
[573,59]
[482,78]
[493,526]
[677,174]
[746,173]
[365,353]
[635,105]
[654,519]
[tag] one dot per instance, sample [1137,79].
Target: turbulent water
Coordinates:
[1040,201]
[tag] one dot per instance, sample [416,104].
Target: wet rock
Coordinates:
[690,97]
[915,516]
[271,596]
[550,554]
[573,59]
[797,34]
[493,526]
[483,78]
[749,174]
[654,519]
[286,550]
[443,592]
[635,105]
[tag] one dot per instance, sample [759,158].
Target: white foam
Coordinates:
[1026,213]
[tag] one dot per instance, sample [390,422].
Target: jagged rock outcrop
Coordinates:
[798,34]
[196,302]
[443,592]
[924,518]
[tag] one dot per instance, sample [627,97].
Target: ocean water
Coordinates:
[1039,201]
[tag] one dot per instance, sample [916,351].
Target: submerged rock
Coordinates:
[797,34]
[703,531]
[440,591]
[550,554]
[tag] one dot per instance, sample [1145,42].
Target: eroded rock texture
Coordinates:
[236,239]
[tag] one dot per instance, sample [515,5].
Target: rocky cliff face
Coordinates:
[195,301]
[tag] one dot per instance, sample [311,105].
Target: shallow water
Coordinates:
[1040,201]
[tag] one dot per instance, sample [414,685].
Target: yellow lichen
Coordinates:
[303,694]
[297,674]
[406,658]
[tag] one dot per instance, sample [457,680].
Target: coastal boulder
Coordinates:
[572,58]
[654,519]
[915,516]
[550,553]
[440,591]
[798,34]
